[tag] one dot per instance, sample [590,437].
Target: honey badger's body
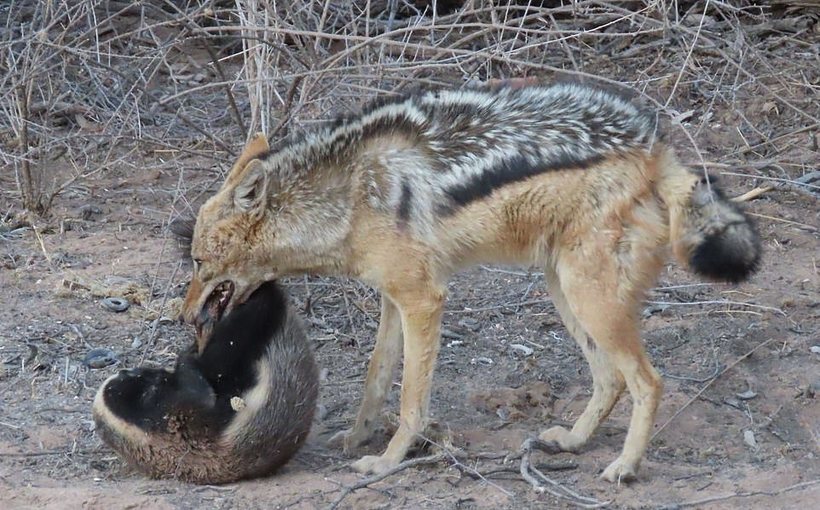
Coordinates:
[568,178]
[239,409]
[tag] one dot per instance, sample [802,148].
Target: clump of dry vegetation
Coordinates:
[84,82]
[95,95]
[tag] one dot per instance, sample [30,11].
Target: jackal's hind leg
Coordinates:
[607,382]
[379,378]
[603,293]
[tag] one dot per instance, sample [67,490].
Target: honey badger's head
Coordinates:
[144,414]
[149,397]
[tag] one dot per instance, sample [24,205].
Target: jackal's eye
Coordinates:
[197,263]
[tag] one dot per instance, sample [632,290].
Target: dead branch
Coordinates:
[542,483]
[410,463]
[708,385]
[748,494]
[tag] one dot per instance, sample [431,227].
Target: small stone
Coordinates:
[749,439]
[136,343]
[815,349]
[503,413]
[446,333]
[651,310]
[523,349]
[481,360]
[116,304]
[87,212]
[100,358]
[732,401]
[812,389]
[237,404]
[746,395]
[471,324]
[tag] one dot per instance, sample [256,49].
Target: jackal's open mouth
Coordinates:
[213,310]
[217,302]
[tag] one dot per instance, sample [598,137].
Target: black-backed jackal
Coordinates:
[570,178]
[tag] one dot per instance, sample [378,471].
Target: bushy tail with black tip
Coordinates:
[710,235]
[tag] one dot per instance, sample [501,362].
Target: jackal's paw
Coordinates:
[374,464]
[620,471]
[348,440]
[561,438]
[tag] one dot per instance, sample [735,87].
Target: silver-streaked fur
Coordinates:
[438,140]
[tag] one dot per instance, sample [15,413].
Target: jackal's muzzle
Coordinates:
[212,311]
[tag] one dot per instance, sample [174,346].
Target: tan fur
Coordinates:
[601,235]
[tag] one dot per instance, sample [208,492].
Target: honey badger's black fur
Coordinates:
[239,409]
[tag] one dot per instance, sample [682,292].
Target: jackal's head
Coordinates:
[278,213]
[225,244]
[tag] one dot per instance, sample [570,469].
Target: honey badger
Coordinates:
[240,408]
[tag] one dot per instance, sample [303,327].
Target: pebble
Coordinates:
[471,324]
[746,395]
[652,310]
[446,333]
[731,401]
[503,413]
[815,349]
[116,304]
[100,358]
[136,343]
[237,404]
[481,360]
[812,389]
[749,438]
[523,349]
[87,212]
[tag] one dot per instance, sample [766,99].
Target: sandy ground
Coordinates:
[747,438]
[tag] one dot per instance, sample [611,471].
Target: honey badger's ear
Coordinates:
[250,194]
[192,388]
[183,231]
[255,148]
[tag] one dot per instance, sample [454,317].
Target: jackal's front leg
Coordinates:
[379,378]
[421,324]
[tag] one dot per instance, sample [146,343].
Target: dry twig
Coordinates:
[747,494]
[708,385]
[542,483]
[364,482]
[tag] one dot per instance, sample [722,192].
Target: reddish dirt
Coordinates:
[488,396]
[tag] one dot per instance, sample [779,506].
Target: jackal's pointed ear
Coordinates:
[251,193]
[254,149]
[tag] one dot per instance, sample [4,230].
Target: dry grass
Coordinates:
[85,81]
[91,89]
